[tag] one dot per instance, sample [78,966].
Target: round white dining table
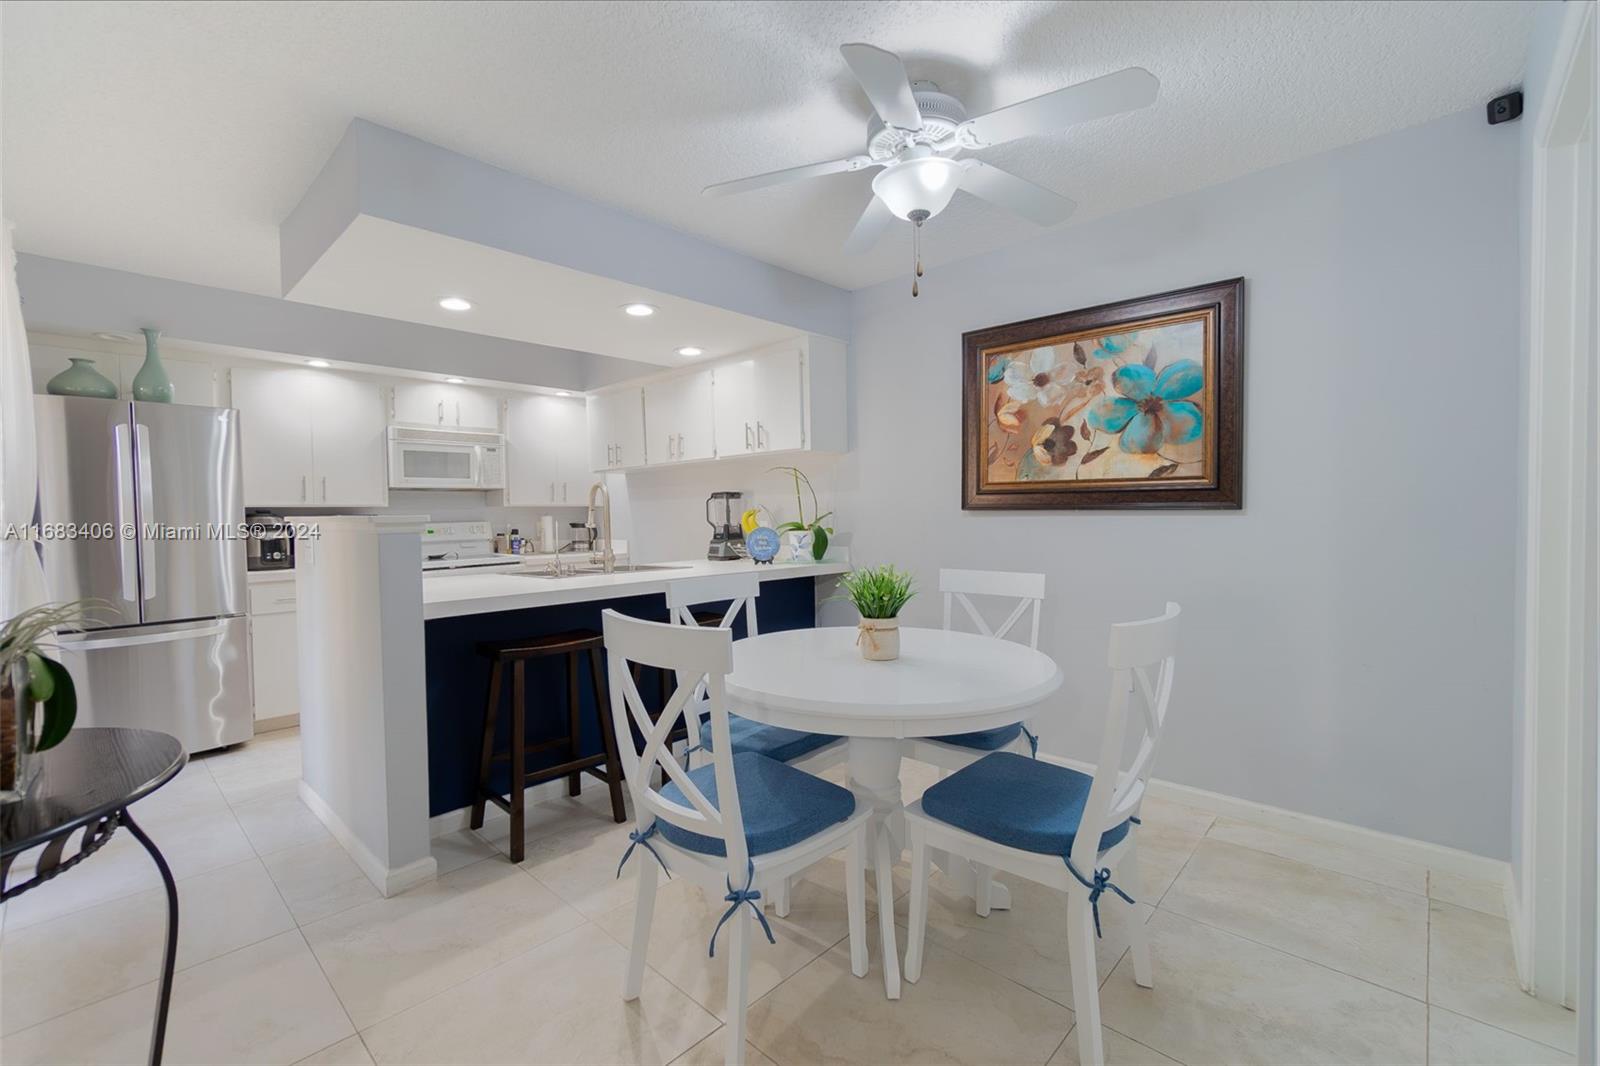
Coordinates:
[944,682]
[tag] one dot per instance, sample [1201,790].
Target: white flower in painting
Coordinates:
[1038,379]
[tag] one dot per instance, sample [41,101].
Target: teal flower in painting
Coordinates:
[1152,412]
[998,370]
[1113,345]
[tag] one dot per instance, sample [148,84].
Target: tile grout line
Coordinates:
[1502,1029]
[1427,872]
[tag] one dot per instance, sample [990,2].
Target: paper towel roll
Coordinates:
[547,534]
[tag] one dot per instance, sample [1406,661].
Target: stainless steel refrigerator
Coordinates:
[141,508]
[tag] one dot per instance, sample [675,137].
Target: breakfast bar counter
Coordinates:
[463,610]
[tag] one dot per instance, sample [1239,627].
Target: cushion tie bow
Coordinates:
[636,838]
[737,896]
[1101,882]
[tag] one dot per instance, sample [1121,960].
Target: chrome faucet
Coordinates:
[608,558]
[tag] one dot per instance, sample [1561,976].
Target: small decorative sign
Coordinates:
[762,544]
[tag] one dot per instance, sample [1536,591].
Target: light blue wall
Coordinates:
[1345,650]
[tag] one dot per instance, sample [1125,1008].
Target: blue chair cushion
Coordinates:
[775,742]
[781,806]
[1017,801]
[984,739]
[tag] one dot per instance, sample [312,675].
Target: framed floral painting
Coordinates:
[1133,404]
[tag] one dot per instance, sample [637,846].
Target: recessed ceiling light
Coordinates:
[320,364]
[691,351]
[455,381]
[638,310]
[102,335]
[563,392]
[455,303]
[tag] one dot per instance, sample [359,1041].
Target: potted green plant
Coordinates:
[803,531]
[38,702]
[878,595]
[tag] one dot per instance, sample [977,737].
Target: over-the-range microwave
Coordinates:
[445,459]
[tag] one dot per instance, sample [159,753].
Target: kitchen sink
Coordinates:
[588,570]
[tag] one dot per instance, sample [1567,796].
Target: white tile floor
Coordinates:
[1268,948]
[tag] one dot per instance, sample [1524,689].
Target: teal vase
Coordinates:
[81,379]
[151,383]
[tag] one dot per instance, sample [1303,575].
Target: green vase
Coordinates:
[151,383]
[81,379]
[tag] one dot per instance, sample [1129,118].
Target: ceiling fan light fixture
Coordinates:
[921,185]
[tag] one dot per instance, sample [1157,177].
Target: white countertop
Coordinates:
[449,594]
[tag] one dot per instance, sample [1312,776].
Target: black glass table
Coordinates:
[86,783]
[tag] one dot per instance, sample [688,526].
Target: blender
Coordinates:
[722,515]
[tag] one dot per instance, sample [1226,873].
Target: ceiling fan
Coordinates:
[918,131]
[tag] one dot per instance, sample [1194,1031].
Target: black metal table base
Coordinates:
[158,1037]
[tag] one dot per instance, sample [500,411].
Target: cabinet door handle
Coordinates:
[324,488]
[669,445]
[302,488]
[441,412]
[552,492]
[680,445]
[563,492]
[760,430]
[747,445]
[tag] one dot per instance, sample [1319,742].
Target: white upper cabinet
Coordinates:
[274,434]
[349,441]
[678,419]
[310,437]
[546,444]
[616,429]
[427,403]
[789,397]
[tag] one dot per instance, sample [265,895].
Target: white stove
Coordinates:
[462,546]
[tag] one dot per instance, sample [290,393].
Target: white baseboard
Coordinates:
[1405,849]
[388,880]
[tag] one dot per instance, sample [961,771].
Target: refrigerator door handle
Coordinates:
[68,643]
[127,528]
[147,562]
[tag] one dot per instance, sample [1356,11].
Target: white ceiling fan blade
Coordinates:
[1018,195]
[872,224]
[779,177]
[888,89]
[1126,90]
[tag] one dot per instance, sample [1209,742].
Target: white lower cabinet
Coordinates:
[274,650]
[311,436]
[546,446]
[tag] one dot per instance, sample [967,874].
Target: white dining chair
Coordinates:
[737,826]
[1060,827]
[811,752]
[959,586]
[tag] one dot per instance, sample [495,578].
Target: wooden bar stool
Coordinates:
[516,654]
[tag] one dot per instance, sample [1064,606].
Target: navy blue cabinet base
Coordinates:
[458,682]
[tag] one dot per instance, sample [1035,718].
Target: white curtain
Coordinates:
[21,576]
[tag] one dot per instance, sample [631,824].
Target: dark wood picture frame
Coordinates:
[1224,300]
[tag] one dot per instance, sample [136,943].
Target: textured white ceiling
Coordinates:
[171,139]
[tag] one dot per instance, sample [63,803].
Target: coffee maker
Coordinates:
[727,535]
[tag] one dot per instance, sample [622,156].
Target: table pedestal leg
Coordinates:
[875,778]
[158,1036]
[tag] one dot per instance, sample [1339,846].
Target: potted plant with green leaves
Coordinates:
[38,702]
[878,594]
[806,535]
